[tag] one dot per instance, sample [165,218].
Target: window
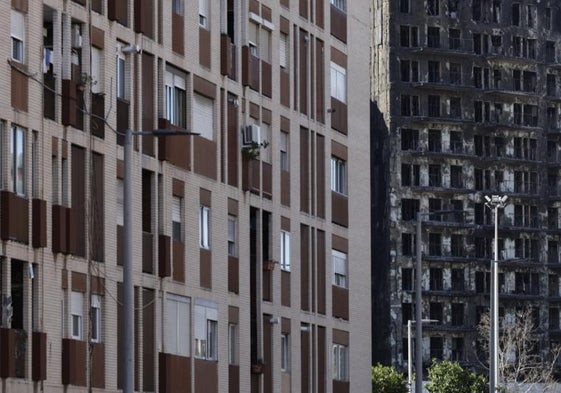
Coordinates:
[203,116]
[176,219]
[204,13]
[404,6]
[410,175]
[408,244]
[285,250]
[531,13]
[456,176]
[551,85]
[17,160]
[434,106]
[285,352]
[204,227]
[548,23]
[175,99]
[18,35]
[338,82]
[340,272]
[434,71]
[283,51]
[177,325]
[233,351]
[95,318]
[496,11]
[120,78]
[433,37]
[406,279]
[409,105]
[341,4]
[284,158]
[455,73]
[76,314]
[409,139]
[550,51]
[409,36]
[454,39]
[206,330]
[177,7]
[409,209]
[119,217]
[340,362]
[476,10]
[409,71]
[232,235]
[453,7]
[433,7]
[338,175]
[516,14]
[456,107]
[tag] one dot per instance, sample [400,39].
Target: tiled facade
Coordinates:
[251,257]
[467,100]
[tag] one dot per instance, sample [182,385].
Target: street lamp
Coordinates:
[419,300]
[409,360]
[495,202]
[128,288]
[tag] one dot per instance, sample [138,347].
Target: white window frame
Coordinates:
[340,4]
[76,315]
[340,362]
[17,30]
[204,227]
[232,235]
[338,82]
[95,318]
[18,165]
[284,151]
[233,348]
[120,79]
[338,175]
[203,116]
[177,325]
[204,14]
[285,352]
[340,269]
[176,99]
[285,250]
[284,51]
[176,222]
[120,215]
[206,331]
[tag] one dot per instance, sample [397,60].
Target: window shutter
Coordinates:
[339,263]
[18,25]
[203,116]
[120,202]
[176,209]
[96,70]
[283,50]
[76,303]
[171,326]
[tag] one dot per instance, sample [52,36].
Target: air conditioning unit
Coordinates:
[76,36]
[251,134]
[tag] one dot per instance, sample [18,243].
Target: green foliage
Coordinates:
[450,377]
[386,379]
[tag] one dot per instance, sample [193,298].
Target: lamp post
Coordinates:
[128,287]
[418,297]
[495,202]
[409,357]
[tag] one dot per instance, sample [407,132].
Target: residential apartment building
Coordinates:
[251,264]
[467,106]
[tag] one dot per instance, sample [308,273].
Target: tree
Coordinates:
[386,379]
[521,363]
[450,377]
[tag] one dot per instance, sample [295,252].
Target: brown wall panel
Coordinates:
[340,299]
[285,188]
[341,386]
[178,188]
[250,69]
[304,171]
[206,376]
[267,354]
[320,81]
[305,360]
[254,6]
[320,13]
[285,288]
[322,357]
[120,245]
[97,6]
[285,3]
[147,252]
[7,352]
[303,8]
[205,158]
[227,57]
[97,37]
[177,33]
[339,209]
[14,217]
[73,362]
[285,88]
[147,102]
[117,10]
[97,125]
[205,268]
[175,149]
[339,116]
[59,229]
[69,102]
[122,119]
[78,211]
[233,378]
[143,17]
[340,243]
[97,285]
[98,365]
[79,282]
[341,337]
[204,87]
[267,283]
[97,211]
[338,23]
[233,274]
[174,373]
[305,267]
[49,96]
[204,47]
[164,256]
[205,197]
[20,5]
[266,13]
[320,176]
[178,261]
[267,180]
[19,89]
[339,150]
[39,356]
[233,144]
[303,71]
[321,272]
